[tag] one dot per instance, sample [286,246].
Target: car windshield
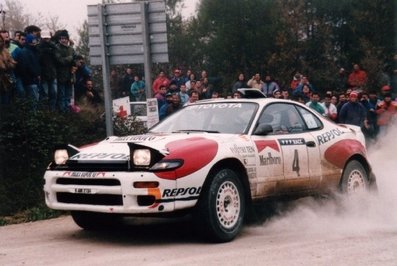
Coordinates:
[212,117]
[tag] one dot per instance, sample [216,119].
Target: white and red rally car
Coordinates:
[212,158]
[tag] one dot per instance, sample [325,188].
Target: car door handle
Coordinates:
[310,144]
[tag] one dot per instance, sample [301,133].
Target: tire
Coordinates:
[354,178]
[94,221]
[220,211]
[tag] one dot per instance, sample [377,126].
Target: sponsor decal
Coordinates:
[137,138]
[114,156]
[84,174]
[269,159]
[218,106]
[189,191]
[242,149]
[338,153]
[329,135]
[263,144]
[295,141]
[195,152]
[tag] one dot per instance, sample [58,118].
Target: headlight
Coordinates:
[166,165]
[141,157]
[61,156]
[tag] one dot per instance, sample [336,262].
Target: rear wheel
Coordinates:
[354,178]
[95,221]
[221,208]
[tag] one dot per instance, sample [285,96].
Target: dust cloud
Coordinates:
[346,216]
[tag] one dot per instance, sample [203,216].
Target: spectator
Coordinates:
[64,58]
[141,96]
[385,90]
[386,111]
[269,86]
[315,104]
[160,80]
[304,92]
[30,70]
[207,89]
[7,41]
[192,78]
[163,109]
[127,81]
[341,80]
[194,96]
[358,78]
[240,83]
[370,101]
[83,73]
[34,30]
[296,80]
[91,97]
[215,95]
[353,112]
[330,110]
[160,96]
[277,94]
[115,84]
[255,82]
[334,100]
[177,79]
[7,64]
[175,104]
[285,94]
[47,57]
[135,87]
[237,95]
[183,94]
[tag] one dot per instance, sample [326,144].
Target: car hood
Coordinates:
[170,145]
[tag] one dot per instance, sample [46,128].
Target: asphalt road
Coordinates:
[352,231]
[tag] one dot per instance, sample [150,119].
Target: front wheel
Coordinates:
[354,178]
[220,211]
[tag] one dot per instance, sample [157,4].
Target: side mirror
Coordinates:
[263,129]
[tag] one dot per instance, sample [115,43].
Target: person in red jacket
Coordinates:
[358,78]
[161,80]
[386,111]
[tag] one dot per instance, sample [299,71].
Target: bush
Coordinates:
[26,141]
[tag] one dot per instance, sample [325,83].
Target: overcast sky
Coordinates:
[72,13]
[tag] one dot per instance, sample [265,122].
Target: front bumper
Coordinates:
[110,192]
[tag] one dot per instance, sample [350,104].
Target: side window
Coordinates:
[312,122]
[284,119]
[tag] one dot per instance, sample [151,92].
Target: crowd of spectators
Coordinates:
[349,102]
[43,67]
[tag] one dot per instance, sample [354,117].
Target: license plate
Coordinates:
[82,191]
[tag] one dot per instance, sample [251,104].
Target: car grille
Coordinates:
[93,199]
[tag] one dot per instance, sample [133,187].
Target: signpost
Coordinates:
[127,33]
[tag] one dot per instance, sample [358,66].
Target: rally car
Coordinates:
[212,159]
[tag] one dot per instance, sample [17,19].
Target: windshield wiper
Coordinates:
[195,130]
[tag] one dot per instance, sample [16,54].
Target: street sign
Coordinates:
[123,24]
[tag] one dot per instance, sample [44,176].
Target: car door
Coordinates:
[297,149]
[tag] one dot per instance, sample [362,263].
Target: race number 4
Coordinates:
[295,163]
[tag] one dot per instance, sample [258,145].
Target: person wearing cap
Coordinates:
[353,112]
[29,68]
[178,78]
[386,111]
[64,60]
[47,56]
